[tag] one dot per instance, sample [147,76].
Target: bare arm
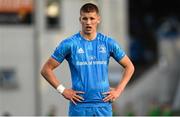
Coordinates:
[128,72]
[48,74]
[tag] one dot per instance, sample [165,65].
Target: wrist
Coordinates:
[119,89]
[60,88]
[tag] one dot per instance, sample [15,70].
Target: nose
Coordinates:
[88,21]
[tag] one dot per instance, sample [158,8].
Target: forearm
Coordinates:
[114,93]
[49,75]
[128,72]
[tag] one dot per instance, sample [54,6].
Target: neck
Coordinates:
[88,36]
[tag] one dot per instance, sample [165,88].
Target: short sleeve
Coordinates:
[61,51]
[116,51]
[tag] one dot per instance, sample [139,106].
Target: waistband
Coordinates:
[92,104]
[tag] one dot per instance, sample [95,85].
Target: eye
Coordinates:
[84,18]
[92,18]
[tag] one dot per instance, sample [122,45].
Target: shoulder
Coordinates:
[103,37]
[107,39]
[70,40]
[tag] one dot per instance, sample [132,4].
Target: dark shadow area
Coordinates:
[145,18]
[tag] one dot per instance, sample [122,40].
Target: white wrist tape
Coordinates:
[60,88]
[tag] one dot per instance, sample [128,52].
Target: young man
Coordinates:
[88,53]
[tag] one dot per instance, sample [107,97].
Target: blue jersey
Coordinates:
[88,62]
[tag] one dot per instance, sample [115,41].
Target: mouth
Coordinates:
[88,27]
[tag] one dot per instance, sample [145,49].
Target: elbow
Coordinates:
[43,71]
[132,69]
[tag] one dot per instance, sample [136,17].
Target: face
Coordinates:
[89,22]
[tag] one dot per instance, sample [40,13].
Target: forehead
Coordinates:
[89,14]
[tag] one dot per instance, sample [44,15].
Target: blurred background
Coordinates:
[148,30]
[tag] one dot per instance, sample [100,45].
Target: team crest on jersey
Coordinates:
[80,51]
[102,49]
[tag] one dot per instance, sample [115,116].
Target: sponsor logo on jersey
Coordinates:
[91,63]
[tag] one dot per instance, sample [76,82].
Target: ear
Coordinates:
[80,18]
[99,19]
